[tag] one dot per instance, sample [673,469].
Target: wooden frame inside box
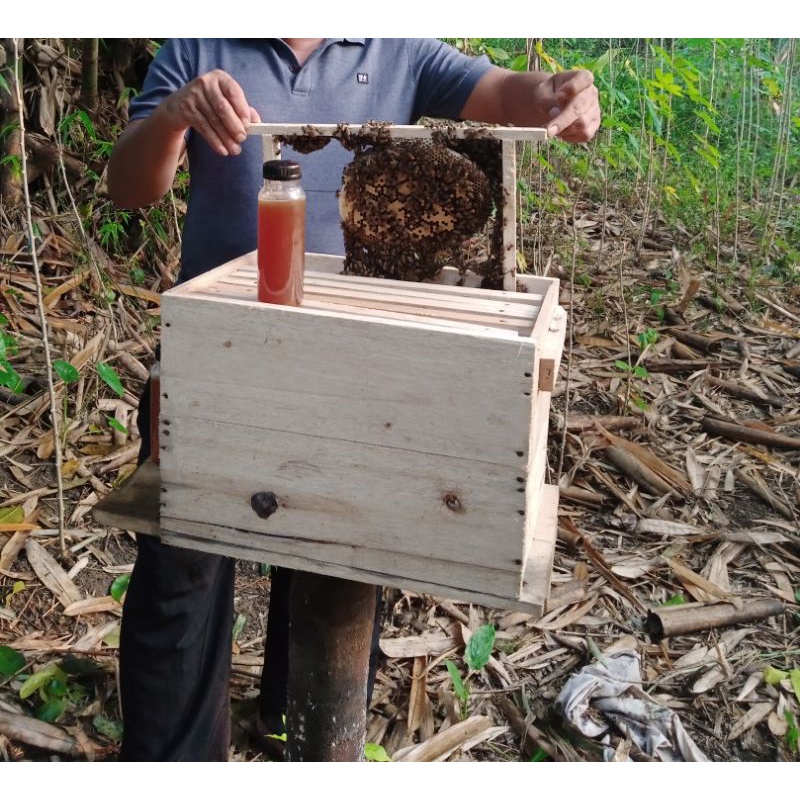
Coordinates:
[401,426]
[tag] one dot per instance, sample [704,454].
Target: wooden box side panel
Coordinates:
[343,493]
[401,387]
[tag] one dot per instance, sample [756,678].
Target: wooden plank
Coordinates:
[345,493]
[390,385]
[399,131]
[552,346]
[134,506]
[538,567]
[362,563]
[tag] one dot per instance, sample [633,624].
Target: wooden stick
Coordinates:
[677,620]
[399,131]
[744,433]
[531,738]
[569,533]
[742,392]
[675,365]
[698,341]
[578,423]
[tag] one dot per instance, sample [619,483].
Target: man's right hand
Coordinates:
[213,105]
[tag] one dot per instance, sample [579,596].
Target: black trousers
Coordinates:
[175,648]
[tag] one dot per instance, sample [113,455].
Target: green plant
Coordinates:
[476,655]
[9,378]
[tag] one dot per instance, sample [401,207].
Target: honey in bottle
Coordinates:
[281,234]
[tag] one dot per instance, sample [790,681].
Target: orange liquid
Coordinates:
[281,251]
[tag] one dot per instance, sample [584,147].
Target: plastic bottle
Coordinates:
[281,234]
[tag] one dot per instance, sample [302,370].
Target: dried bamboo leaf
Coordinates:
[417,696]
[34,732]
[93,605]
[51,574]
[444,743]
[751,718]
[433,643]
[666,528]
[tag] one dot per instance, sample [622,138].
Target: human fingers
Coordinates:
[215,107]
[575,115]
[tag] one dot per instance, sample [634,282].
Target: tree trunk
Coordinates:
[90,50]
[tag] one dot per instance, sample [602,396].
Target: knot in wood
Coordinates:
[452,501]
[265,504]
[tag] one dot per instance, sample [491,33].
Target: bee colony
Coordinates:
[386,431]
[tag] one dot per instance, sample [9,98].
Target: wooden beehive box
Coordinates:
[402,427]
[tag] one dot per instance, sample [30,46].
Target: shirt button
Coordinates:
[294,68]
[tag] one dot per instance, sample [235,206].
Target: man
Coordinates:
[199,96]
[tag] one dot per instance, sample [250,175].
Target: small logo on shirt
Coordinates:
[362,77]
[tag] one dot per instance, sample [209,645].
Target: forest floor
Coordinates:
[662,511]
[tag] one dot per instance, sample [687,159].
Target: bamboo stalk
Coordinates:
[743,433]
[691,617]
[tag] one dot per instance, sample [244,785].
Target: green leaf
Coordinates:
[111,639]
[794,679]
[51,710]
[120,586]
[375,752]
[519,64]
[238,626]
[773,676]
[12,514]
[114,423]
[675,600]
[109,375]
[66,371]
[11,661]
[458,684]
[479,647]
[539,755]
[19,586]
[40,680]
[110,728]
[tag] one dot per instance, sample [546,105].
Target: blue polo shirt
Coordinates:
[344,80]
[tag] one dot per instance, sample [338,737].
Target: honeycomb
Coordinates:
[409,207]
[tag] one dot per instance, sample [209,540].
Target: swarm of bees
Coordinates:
[411,206]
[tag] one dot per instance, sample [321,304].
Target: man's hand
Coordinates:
[571,103]
[214,105]
[146,155]
[567,103]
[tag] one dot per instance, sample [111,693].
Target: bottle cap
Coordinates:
[280,170]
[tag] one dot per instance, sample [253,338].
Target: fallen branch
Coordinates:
[744,433]
[698,341]
[579,423]
[678,620]
[569,533]
[743,393]
[445,742]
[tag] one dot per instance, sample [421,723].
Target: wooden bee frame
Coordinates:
[271,134]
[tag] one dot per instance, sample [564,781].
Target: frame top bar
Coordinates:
[401,131]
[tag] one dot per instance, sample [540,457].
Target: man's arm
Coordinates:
[566,103]
[146,155]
